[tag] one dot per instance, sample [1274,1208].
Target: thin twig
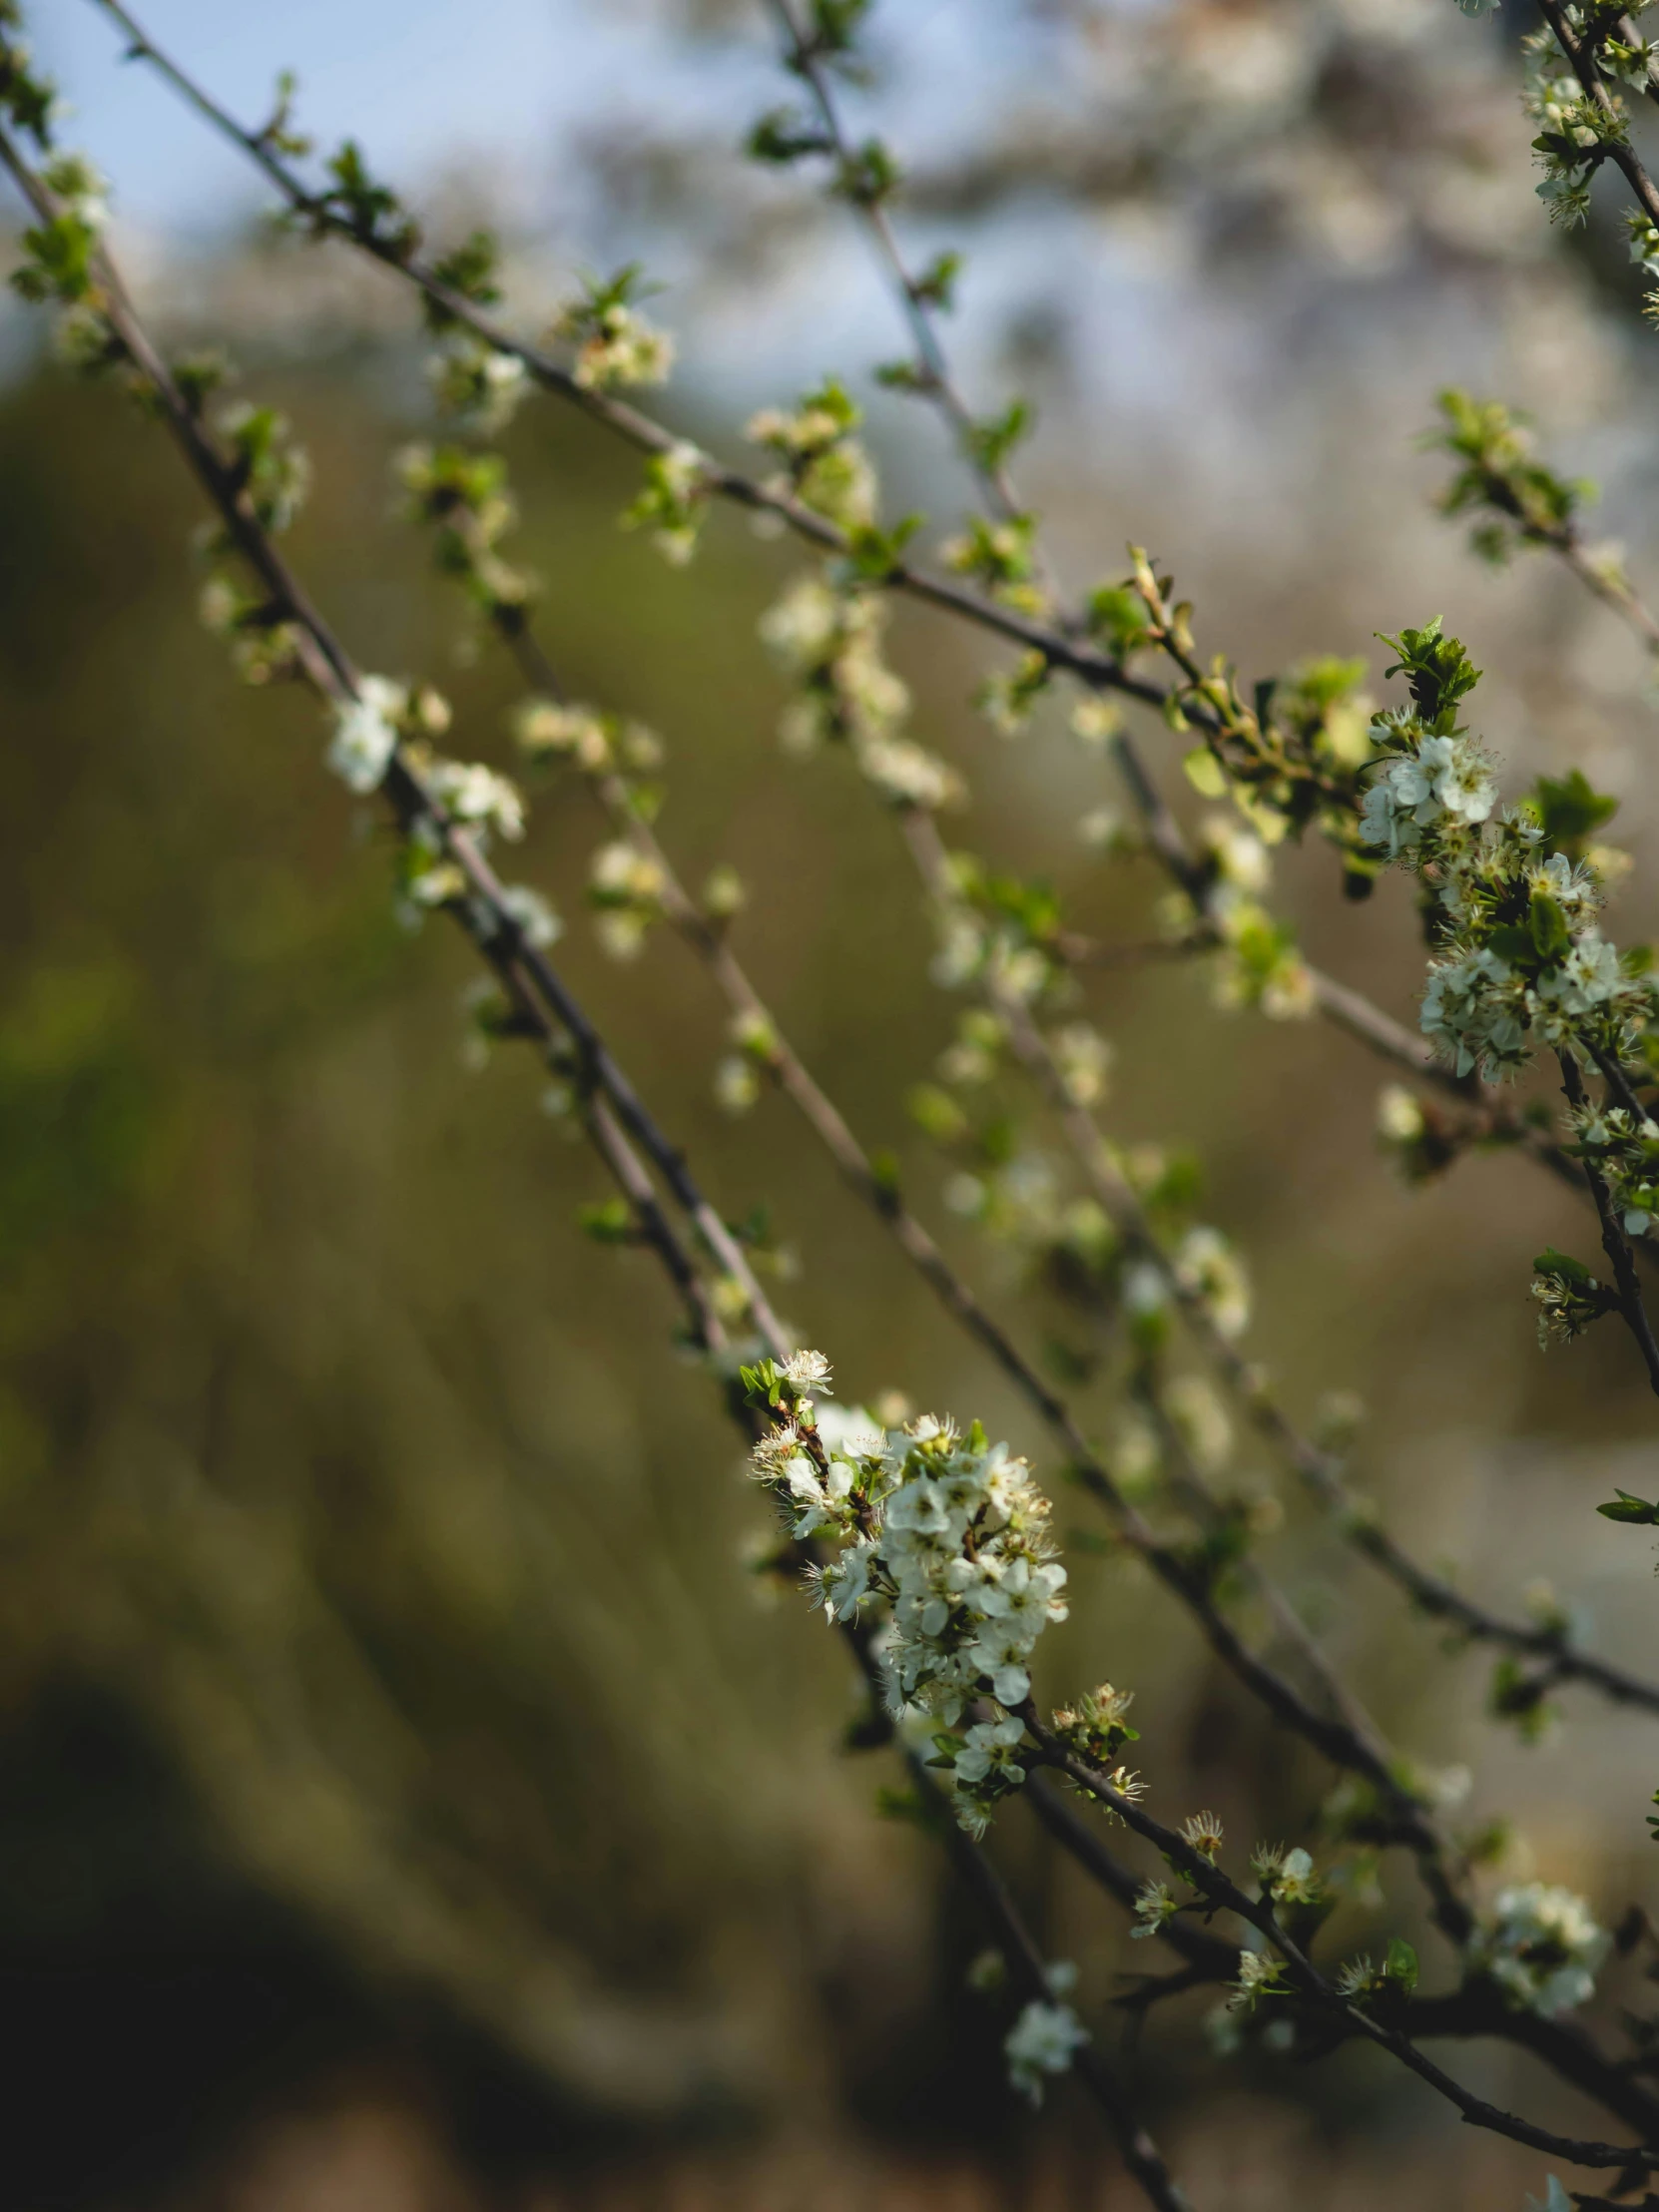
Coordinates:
[1221,1892]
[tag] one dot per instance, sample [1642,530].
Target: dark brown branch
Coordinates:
[1613,1240]
[1580,54]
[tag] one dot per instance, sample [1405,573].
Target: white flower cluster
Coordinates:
[81,190]
[479,386]
[992,953]
[1543,1948]
[674,501]
[1565,114]
[1210,1271]
[825,466]
[908,775]
[1484,1014]
[367,733]
[1474,1010]
[1042,2043]
[1627,1153]
[625,887]
[1155,1907]
[1521,964]
[541,926]
[583,737]
[615,345]
[1259,964]
[1444,779]
[953,1534]
[545,729]
[964,1547]
[1261,1975]
[831,642]
[477,796]
[369,729]
[1083,1060]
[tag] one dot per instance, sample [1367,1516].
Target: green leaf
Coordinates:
[1205,773]
[785,136]
[1548,928]
[1511,943]
[1570,808]
[868,175]
[879,554]
[1627,1508]
[1401,1966]
[1436,668]
[935,286]
[609,1222]
[1551,1262]
[992,442]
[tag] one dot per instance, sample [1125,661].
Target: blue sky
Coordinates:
[441,83]
[501,89]
[424,83]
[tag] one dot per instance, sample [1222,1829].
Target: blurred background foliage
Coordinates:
[388,1721]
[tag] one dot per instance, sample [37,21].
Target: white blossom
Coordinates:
[990,1746]
[365,733]
[806,1372]
[1206,1268]
[477,795]
[535,918]
[908,775]
[1042,2041]
[1543,1948]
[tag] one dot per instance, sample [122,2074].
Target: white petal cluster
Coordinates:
[1543,1947]
[367,732]
[807,1372]
[830,642]
[478,385]
[1042,2043]
[477,796]
[1083,1058]
[1261,1975]
[954,1535]
[1483,1015]
[1444,779]
[672,503]
[964,1547]
[908,775]
[82,192]
[541,926]
[1242,862]
[1211,1272]
[1474,1010]
[1154,1910]
[825,467]
[615,345]
[625,886]
[545,729]
[1523,965]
